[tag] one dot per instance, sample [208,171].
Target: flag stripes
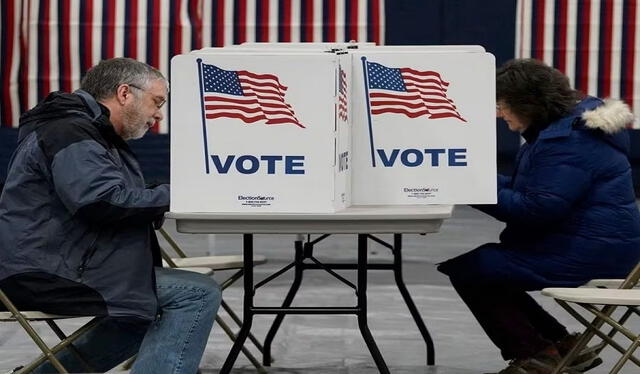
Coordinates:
[48,45]
[596,43]
[246,96]
[410,92]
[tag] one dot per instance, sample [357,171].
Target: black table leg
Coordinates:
[297,280]
[362,305]
[247,305]
[397,271]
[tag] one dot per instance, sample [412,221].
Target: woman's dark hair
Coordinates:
[534,91]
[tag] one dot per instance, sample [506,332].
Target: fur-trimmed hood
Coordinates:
[610,117]
[606,119]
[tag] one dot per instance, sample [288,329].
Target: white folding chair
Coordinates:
[602,303]
[24,319]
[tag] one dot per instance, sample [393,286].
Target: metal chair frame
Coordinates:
[603,315]
[48,353]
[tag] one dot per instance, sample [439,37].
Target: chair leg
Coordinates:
[48,354]
[613,332]
[61,335]
[593,328]
[244,350]
[31,332]
[606,318]
[616,368]
[232,279]
[60,346]
[584,339]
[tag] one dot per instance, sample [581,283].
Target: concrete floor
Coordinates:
[333,344]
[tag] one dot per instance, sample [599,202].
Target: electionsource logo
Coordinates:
[255,201]
[241,197]
[420,192]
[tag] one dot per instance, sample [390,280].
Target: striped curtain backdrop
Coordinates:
[47,45]
[595,42]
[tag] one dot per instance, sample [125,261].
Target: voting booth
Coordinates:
[259,132]
[273,127]
[423,127]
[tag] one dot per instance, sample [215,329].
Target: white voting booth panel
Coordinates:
[304,45]
[258,132]
[257,51]
[424,48]
[423,127]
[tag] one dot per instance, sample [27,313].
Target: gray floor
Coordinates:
[333,344]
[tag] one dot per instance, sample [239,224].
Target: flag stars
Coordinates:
[222,81]
[385,78]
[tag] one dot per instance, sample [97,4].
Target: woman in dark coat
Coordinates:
[569,209]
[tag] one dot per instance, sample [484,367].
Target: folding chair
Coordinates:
[217,263]
[602,303]
[25,317]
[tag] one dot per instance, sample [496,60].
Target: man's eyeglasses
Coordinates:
[159,101]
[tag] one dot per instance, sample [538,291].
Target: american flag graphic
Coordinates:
[47,45]
[596,43]
[246,96]
[342,95]
[410,92]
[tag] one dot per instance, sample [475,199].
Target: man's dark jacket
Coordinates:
[75,216]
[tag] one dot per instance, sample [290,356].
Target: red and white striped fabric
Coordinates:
[596,43]
[47,45]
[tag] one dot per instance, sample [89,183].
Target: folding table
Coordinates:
[364,221]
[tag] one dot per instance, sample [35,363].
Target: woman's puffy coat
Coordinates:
[570,208]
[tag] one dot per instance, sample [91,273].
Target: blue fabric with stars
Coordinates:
[385,78]
[221,81]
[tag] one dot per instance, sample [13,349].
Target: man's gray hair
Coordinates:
[102,81]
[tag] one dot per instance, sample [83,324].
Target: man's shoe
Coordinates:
[586,360]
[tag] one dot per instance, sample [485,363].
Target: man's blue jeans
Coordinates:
[174,343]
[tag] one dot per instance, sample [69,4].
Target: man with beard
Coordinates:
[76,233]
